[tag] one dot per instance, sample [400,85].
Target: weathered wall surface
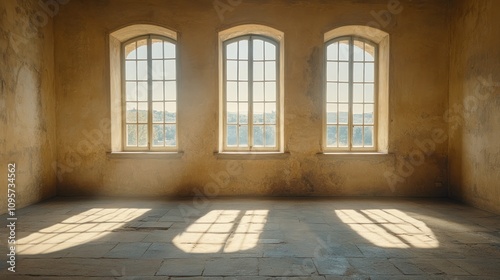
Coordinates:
[27,101]
[474,117]
[419,64]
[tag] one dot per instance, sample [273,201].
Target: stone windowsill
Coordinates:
[145,155]
[251,156]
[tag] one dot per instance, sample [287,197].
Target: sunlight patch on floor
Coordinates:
[83,228]
[389,228]
[226,231]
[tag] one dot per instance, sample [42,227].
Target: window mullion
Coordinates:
[351,86]
[150,92]
[250,93]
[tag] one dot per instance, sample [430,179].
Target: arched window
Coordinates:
[355,101]
[150,93]
[251,93]
[143,64]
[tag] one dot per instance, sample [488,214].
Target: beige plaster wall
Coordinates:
[419,65]
[27,101]
[474,116]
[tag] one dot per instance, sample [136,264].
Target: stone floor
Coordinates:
[253,239]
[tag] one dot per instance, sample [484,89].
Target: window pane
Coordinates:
[232,51]
[157,70]
[169,49]
[343,71]
[131,112]
[130,51]
[131,135]
[343,136]
[232,70]
[232,113]
[270,70]
[142,91]
[369,52]
[344,50]
[243,91]
[270,113]
[357,113]
[358,72]
[258,50]
[369,72]
[331,136]
[170,133]
[358,51]
[258,136]
[158,112]
[170,112]
[157,91]
[243,113]
[142,50]
[343,92]
[369,93]
[232,91]
[332,71]
[158,135]
[331,113]
[243,71]
[270,136]
[258,91]
[369,114]
[142,131]
[142,112]
[170,90]
[258,71]
[357,136]
[270,91]
[157,49]
[131,91]
[368,136]
[332,51]
[170,70]
[142,70]
[270,50]
[243,135]
[331,92]
[232,135]
[243,52]
[343,113]
[357,94]
[130,70]
[258,113]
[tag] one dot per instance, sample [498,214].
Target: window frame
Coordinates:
[149,148]
[250,148]
[382,39]
[350,122]
[279,39]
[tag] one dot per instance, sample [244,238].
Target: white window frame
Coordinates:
[380,40]
[268,34]
[117,40]
[149,147]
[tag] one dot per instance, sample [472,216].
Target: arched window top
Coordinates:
[373,34]
[362,49]
[248,29]
[136,30]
